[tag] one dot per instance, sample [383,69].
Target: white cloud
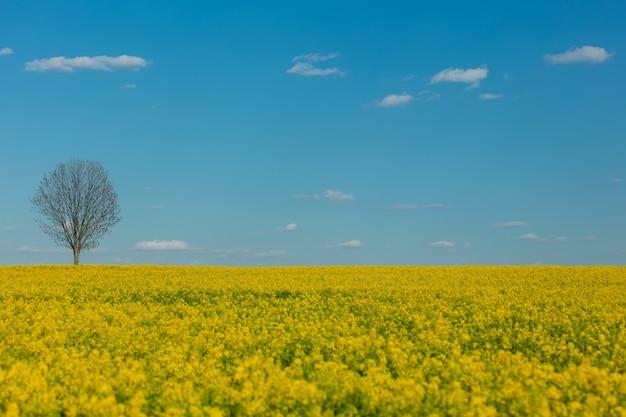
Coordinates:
[514,223]
[315,57]
[587,54]
[305,68]
[591,238]
[616,180]
[529,236]
[349,244]
[432,96]
[155,207]
[98,63]
[6,51]
[224,253]
[532,236]
[442,244]
[561,239]
[334,195]
[291,227]
[270,254]
[471,76]
[489,96]
[394,100]
[11,227]
[130,85]
[162,245]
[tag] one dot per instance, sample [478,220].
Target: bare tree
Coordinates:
[77,205]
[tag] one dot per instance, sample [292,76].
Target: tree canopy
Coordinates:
[77,205]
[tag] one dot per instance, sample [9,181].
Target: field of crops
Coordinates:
[315,341]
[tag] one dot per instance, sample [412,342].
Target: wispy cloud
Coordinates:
[162,245]
[430,96]
[536,238]
[334,195]
[291,227]
[6,51]
[591,238]
[442,244]
[304,65]
[435,205]
[395,100]
[316,57]
[532,236]
[347,245]
[584,54]
[307,69]
[270,254]
[489,96]
[471,76]
[11,228]
[97,63]
[616,180]
[514,223]
[130,85]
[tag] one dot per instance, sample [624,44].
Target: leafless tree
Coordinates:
[77,205]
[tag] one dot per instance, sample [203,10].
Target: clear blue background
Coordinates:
[216,148]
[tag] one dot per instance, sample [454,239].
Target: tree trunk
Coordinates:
[76,255]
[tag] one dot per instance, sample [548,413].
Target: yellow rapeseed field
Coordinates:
[314,341]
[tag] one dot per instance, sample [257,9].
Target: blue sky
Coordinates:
[322,133]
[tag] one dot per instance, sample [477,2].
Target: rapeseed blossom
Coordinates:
[315,341]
